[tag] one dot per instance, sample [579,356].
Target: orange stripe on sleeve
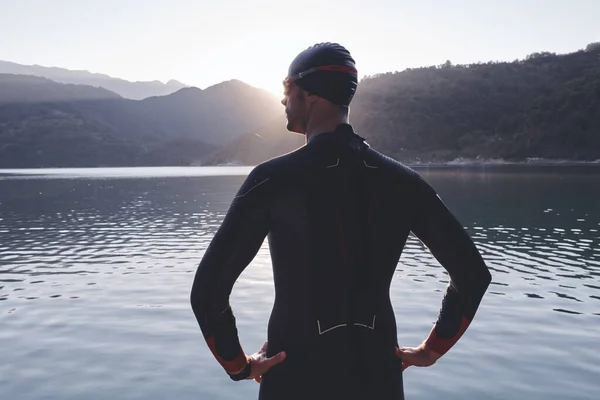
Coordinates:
[230,366]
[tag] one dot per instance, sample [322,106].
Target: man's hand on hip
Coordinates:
[261,363]
[417,356]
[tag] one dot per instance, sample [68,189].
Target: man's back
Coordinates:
[337,215]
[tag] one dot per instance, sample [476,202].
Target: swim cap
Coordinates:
[326,70]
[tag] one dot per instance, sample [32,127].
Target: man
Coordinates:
[337,214]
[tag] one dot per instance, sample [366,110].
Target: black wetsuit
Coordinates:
[337,215]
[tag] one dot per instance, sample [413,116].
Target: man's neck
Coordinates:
[324,125]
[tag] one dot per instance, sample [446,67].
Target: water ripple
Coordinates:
[104,266]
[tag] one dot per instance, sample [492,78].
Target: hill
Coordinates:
[32,89]
[48,124]
[127,89]
[217,114]
[545,106]
[256,146]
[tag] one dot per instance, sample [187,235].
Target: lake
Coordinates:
[96,267]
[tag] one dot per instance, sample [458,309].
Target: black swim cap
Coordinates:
[326,70]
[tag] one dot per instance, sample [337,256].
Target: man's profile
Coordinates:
[337,214]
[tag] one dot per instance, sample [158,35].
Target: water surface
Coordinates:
[96,268]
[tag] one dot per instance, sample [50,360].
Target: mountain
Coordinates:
[49,124]
[127,89]
[32,89]
[545,106]
[218,113]
[563,124]
[482,109]
[256,146]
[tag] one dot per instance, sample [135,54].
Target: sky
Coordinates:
[202,43]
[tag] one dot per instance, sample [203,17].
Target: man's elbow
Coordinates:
[479,280]
[488,276]
[195,299]
[485,279]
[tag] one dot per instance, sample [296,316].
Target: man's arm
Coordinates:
[233,247]
[450,244]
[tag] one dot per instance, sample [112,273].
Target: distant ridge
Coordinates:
[546,106]
[48,124]
[130,90]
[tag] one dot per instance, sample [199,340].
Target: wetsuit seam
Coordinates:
[253,187]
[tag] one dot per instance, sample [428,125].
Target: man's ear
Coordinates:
[312,98]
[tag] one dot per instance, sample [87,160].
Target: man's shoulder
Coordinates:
[391,167]
[273,170]
[282,164]
[394,174]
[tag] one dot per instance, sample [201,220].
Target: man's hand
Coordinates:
[261,363]
[417,356]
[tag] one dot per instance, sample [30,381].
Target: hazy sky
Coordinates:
[205,42]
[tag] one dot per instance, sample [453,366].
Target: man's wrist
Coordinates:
[430,353]
[242,374]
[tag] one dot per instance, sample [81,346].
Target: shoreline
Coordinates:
[538,162]
[458,162]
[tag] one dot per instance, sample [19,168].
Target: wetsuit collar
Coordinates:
[342,132]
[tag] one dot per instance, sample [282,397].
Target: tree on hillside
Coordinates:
[593,47]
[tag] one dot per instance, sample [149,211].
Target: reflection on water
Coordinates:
[96,267]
